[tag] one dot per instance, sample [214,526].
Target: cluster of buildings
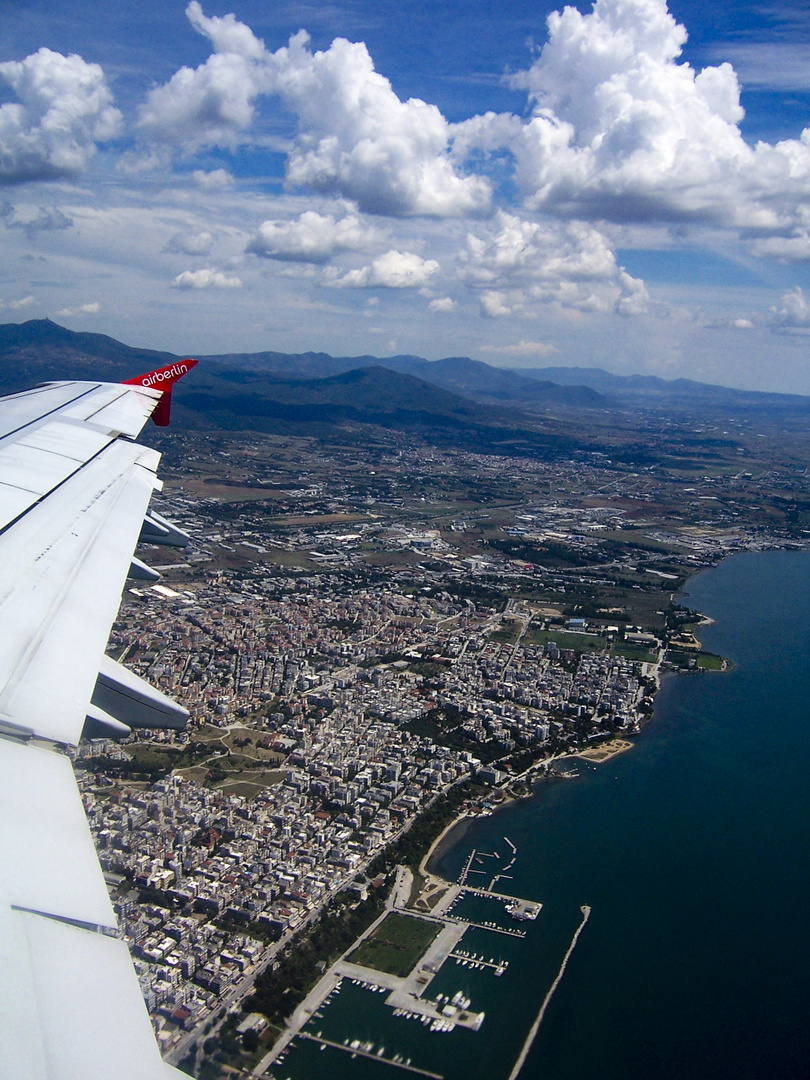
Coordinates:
[206,881]
[521,695]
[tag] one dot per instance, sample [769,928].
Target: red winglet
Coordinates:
[163,379]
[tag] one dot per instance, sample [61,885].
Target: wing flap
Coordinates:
[119,409]
[134,702]
[13,502]
[72,1009]
[31,406]
[73,441]
[62,568]
[39,460]
[45,839]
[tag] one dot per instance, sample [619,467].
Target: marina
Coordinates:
[435,997]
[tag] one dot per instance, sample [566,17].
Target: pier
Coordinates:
[508,930]
[463,875]
[506,877]
[358,1051]
[473,961]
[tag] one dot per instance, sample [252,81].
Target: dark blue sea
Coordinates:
[692,851]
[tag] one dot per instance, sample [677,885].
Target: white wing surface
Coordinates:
[74,498]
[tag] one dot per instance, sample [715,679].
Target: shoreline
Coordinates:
[462,816]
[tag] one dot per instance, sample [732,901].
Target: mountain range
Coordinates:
[454,395]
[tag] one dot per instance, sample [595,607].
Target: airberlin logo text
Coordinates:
[166,375]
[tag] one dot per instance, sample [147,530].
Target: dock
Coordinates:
[508,930]
[506,877]
[463,875]
[474,961]
[357,1051]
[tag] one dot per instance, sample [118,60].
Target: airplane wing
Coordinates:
[74,500]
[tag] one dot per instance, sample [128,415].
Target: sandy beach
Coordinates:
[456,820]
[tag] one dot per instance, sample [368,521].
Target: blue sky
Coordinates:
[624,185]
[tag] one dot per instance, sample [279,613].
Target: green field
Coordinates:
[710,661]
[396,945]
[634,652]
[507,632]
[564,639]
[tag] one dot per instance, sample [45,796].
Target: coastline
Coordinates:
[464,816]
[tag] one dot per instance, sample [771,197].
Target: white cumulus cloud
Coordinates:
[792,315]
[494,304]
[190,243]
[792,248]
[63,109]
[311,237]
[24,302]
[359,140]
[623,130]
[356,138]
[445,305]
[215,180]
[47,219]
[213,104]
[206,279]
[83,309]
[394,270]
[517,263]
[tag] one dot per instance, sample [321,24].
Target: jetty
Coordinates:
[586,914]
[359,1051]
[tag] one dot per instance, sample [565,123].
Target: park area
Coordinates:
[396,945]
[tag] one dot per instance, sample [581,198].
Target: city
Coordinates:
[349,656]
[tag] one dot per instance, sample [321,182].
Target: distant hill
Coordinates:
[42,351]
[239,392]
[367,394]
[483,382]
[471,378]
[651,389]
[280,390]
